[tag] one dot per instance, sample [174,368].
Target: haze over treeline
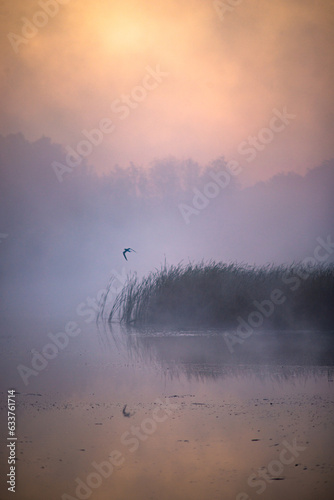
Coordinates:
[62,240]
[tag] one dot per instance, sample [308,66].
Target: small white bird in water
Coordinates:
[127,250]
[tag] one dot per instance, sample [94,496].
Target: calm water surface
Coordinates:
[200,422]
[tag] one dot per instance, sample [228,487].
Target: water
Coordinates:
[203,422]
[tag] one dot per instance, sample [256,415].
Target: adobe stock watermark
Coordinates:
[250,147]
[30,28]
[57,342]
[211,190]
[255,144]
[131,440]
[265,308]
[222,8]
[121,107]
[265,475]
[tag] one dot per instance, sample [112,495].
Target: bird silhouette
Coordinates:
[127,250]
[126,413]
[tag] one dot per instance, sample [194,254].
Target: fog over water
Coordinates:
[194,133]
[62,240]
[232,413]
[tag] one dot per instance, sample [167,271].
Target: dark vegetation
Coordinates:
[217,294]
[47,259]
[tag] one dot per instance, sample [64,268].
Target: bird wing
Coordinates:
[124,255]
[132,250]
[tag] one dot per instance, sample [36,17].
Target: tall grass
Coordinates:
[216,294]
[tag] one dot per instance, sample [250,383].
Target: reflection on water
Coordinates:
[204,354]
[205,423]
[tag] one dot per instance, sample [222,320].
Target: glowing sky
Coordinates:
[223,76]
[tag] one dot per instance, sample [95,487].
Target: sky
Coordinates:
[190,131]
[197,79]
[60,242]
[172,92]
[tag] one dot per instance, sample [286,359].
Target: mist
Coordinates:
[63,236]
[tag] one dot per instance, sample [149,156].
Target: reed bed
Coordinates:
[217,294]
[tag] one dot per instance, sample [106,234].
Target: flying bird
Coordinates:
[127,250]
